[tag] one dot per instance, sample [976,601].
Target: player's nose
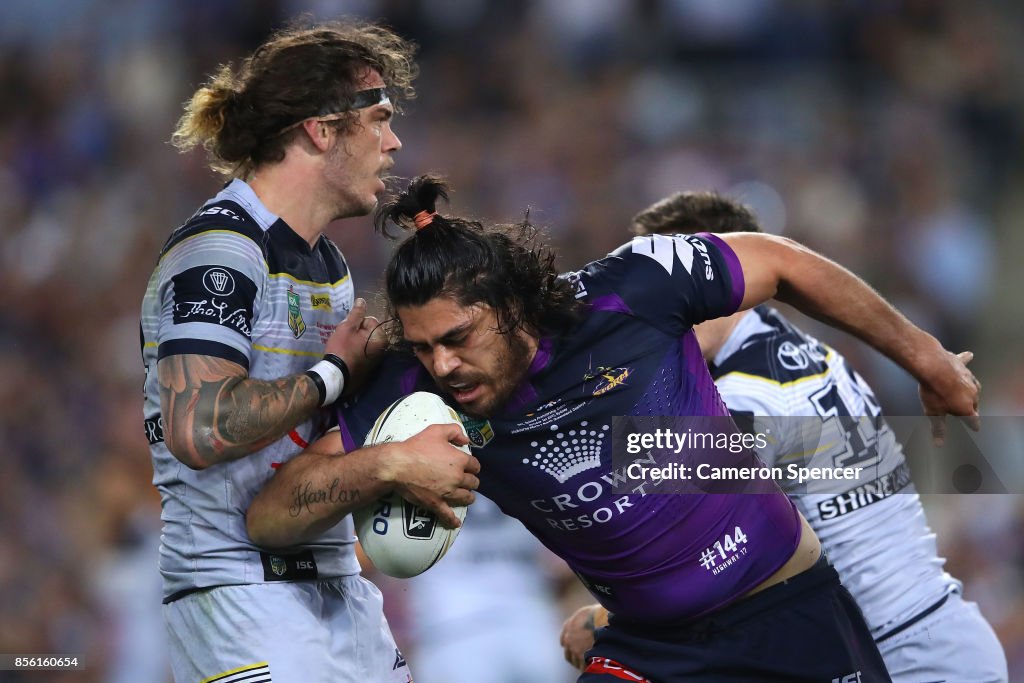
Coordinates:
[445,361]
[390,141]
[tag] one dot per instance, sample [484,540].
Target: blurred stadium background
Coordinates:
[885,133]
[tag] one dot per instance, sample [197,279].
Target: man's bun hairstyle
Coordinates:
[503,266]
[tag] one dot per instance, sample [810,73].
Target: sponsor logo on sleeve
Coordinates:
[219,282]
[217,295]
[665,249]
[702,249]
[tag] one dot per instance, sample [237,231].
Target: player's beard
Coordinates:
[351,182]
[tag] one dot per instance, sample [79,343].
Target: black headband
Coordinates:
[362,99]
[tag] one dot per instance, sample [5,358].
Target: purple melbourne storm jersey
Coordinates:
[546,457]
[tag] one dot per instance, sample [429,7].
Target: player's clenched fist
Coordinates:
[428,470]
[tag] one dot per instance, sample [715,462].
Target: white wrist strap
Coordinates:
[333,381]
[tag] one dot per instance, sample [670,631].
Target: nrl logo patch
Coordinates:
[480,432]
[278,565]
[295,321]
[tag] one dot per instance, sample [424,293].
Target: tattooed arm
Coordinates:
[214,413]
[314,490]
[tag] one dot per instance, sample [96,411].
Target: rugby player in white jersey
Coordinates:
[874,532]
[246,298]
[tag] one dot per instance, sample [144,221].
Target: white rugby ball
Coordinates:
[401,538]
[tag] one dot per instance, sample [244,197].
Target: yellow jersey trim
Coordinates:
[240,669]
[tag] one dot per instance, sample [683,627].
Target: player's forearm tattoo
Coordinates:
[215,413]
[306,496]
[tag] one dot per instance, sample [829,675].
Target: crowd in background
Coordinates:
[885,134]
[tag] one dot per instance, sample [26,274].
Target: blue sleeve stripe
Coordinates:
[202,347]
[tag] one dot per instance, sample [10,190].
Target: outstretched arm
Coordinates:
[313,491]
[777,267]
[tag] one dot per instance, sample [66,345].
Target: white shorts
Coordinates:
[329,631]
[519,645]
[954,643]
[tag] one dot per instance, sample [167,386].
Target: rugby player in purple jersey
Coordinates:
[881,545]
[539,364]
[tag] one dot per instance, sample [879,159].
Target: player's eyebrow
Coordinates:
[386,112]
[445,338]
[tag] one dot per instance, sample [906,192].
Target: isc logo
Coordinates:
[848,678]
[220,210]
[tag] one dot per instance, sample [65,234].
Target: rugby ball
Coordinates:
[401,538]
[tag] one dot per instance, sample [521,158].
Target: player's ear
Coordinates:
[319,133]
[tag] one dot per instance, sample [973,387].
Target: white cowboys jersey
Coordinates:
[237,283]
[874,532]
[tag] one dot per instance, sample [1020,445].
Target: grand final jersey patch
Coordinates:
[480,432]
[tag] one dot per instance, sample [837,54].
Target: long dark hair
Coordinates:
[239,114]
[504,266]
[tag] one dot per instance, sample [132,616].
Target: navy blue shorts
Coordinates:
[805,629]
